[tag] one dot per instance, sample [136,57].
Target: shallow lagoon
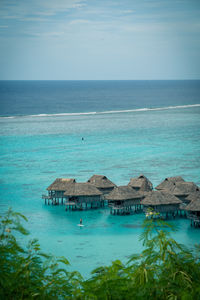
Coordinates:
[36,150]
[103,238]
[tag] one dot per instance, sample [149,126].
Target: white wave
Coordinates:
[103,112]
[148,109]
[64,114]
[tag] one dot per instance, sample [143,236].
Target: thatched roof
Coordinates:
[123,193]
[169,182]
[184,188]
[101,181]
[194,205]
[61,184]
[142,183]
[193,196]
[82,189]
[160,198]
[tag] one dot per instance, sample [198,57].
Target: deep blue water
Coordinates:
[53,97]
[37,149]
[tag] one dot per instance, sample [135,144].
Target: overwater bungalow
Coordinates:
[169,183]
[141,183]
[56,190]
[183,189]
[102,183]
[123,199]
[82,196]
[193,196]
[162,202]
[194,212]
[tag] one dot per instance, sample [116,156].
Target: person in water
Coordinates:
[81,221]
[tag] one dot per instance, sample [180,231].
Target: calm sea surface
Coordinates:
[129,128]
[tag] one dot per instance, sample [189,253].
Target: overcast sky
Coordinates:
[99,39]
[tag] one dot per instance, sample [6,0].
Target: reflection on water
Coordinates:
[131,225]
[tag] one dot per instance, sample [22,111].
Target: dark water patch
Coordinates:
[59,241]
[119,167]
[131,225]
[106,169]
[99,263]
[105,225]
[80,256]
[82,161]
[48,172]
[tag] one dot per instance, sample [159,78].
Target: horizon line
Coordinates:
[193,79]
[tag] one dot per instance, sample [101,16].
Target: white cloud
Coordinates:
[52,7]
[46,8]
[79,5]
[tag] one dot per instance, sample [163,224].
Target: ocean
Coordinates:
[129,128]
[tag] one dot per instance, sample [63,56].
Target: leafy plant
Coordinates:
[164,269]
[29,273]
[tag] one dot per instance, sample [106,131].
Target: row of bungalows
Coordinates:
[162,201]
[178,187]
[76,195]
[90,194]
[188,194]
[172,196]
[128,198]
[97,192]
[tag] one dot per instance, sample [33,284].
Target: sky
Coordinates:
[99,39]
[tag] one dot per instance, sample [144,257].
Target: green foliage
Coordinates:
[164,269]
[28,273]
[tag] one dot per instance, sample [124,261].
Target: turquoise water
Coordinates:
[36,150]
